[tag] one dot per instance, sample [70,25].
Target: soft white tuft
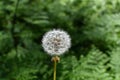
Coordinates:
[56,42]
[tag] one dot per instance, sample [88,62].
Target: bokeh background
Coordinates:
[94,26]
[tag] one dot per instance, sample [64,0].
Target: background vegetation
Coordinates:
[94,26]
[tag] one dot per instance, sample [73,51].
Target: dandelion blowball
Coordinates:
[56,42]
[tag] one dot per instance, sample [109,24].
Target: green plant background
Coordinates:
[94,26]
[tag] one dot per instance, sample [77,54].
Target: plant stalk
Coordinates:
[55,64]
[55,59]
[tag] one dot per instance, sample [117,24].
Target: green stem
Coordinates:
[55,63]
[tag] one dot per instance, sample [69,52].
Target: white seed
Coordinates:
[56,42]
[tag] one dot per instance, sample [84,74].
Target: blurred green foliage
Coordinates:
[94,26]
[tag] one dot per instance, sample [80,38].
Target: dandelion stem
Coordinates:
[54,75]
[55,59]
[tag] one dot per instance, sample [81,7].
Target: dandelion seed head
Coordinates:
[56,42]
